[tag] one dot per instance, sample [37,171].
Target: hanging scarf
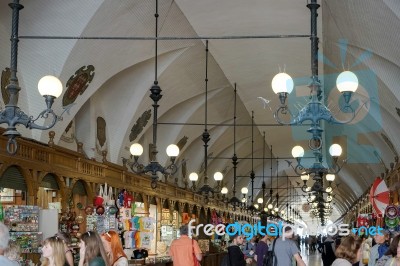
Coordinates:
[382,249]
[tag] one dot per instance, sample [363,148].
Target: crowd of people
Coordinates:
[95,250]
[352,250]
[107,250]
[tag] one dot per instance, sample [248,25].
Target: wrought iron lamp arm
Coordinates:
[135,166]
[314,112]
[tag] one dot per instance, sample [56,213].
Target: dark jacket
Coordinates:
[236,256]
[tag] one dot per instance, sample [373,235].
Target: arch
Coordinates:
[13,178]
[81,188]
[186,208]
[203,215]
[194,210]
[208,215]
[176,206]
[165,204]
[50,181]
[153,201]
[139,197]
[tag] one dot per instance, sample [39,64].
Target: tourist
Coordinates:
[4,238]
[53,252]
[185,251]
[91,252]
[113,247]
[348,252]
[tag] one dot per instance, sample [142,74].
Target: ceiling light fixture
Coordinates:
[251,208]
[49,87]
[314,111]
[264,209]
[206,189]
[234,201]
[154,167]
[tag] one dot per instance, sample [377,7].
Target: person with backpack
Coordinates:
[261,250]
[328,251]
[285,249]
[249,248]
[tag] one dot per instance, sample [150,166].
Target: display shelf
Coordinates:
[20,218]
[23,223]
[29,242]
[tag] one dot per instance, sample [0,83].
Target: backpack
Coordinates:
[270,258]
[225,260]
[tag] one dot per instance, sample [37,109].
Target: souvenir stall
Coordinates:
[218,243]
[23,223]
[169,224]
[137,226]
[103,216]
[72,219]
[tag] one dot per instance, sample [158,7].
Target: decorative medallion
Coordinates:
[69,133]
[184,168]
[78,83]
[390,144]
[101,130]
[139,125]
[5,80]
[182,142]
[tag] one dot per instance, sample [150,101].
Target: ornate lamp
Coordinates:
[49,87]
[193,177]
[206,189]
[224,191]
[314,111]
[136,149]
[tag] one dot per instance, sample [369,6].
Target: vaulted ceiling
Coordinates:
[359,35]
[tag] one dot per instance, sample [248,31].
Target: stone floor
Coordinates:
[311,258]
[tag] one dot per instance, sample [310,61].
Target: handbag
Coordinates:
[270,258]
[226,260]
[195,260]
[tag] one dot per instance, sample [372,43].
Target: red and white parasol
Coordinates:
[379,196]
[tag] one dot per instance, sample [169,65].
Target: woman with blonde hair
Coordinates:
[348,252]
[92,252]
[53,252]
[69,256]
[113,247]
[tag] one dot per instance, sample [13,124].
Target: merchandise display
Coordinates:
[23,223]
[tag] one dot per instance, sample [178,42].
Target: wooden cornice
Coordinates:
[63,162]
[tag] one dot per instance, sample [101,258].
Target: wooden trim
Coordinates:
[37,159]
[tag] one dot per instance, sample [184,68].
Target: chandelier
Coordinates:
[154,167]
[206,190]
[234,201]
[314,111]
[252,207]
[49,87]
